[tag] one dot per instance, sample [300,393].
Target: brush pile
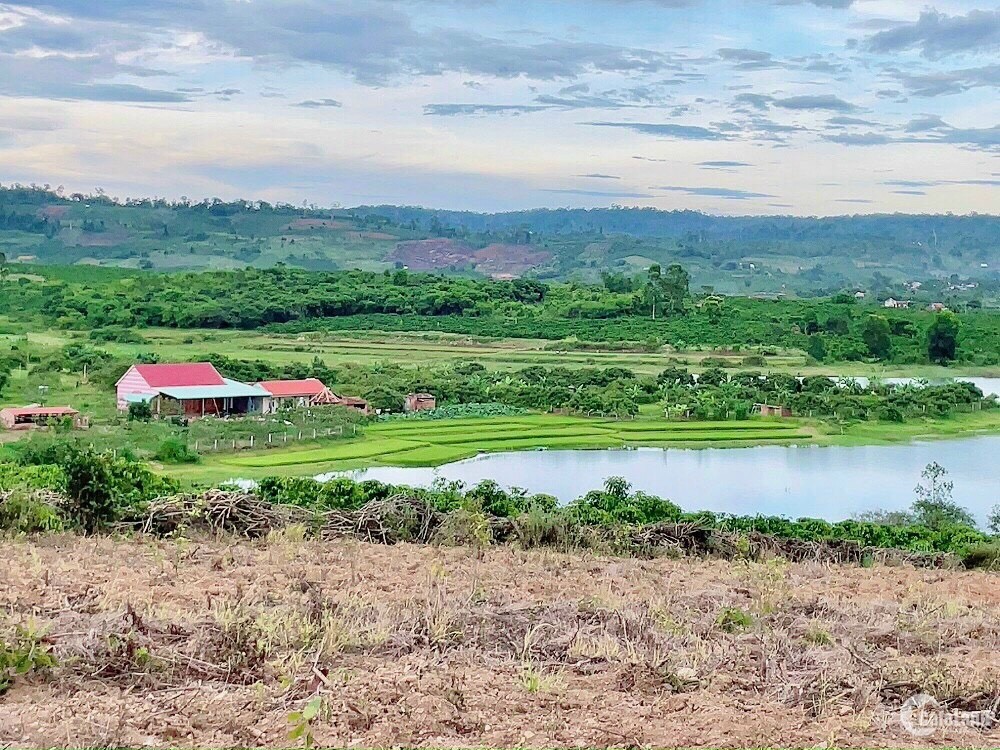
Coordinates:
[403,518]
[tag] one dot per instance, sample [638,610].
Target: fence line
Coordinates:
[268,440]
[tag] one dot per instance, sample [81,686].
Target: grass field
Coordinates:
[368,347]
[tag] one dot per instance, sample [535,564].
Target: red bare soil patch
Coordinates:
[94,239]
[509,260]
[301,224]
[52,212]
[497,260]
[433,254]
[213,644]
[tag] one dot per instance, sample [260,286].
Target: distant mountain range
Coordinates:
[732,254]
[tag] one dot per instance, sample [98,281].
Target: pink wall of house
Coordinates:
[132,382]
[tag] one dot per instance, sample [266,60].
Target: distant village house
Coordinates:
[770,410]
[420,402]
[27,417]
[189,390]
[896,304]
[289,394]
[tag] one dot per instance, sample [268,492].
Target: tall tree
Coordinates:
[676,287]
[942,337]
[877,336]
[652,293]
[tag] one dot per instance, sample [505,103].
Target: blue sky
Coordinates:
[742,107]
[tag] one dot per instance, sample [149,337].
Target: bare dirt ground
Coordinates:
[185,643]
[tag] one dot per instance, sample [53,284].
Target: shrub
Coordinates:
[140,411]
[21,655]
[90,487]
[24,513]
[174,451]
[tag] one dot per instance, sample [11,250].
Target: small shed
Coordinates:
[25,418]
[420,402]
[772,410]
[285,394]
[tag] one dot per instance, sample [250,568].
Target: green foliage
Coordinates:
[174,451]
[456,411]
[90,490]
[140,411]
[877,336]
[302,722]
[24,513]
[32,477]
[20,655]
[934,506]
[942,337]
[616,504]
[733,620]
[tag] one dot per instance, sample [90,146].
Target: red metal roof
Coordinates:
[293,388]
[41,411]
[167,376]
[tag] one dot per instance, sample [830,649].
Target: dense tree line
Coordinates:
[288,300]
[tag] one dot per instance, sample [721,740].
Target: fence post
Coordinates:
[251,441]
[300,434]
[215,445]
[234,444]
[314,433]
[269,438]
[195,446]
[286,437]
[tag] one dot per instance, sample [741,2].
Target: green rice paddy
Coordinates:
[430,443]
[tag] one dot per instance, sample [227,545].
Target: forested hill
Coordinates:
[937,230]
[733,255]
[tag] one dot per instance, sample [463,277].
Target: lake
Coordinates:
[821,482]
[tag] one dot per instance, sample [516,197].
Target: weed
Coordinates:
[23,654]
[302,722]
[535,681]
[733,620]
[817,635]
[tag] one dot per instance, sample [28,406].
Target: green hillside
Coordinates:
[733,255]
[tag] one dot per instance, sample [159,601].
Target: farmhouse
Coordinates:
[36,416]
[896,304]
[770,410]
[189,390]
[420,402]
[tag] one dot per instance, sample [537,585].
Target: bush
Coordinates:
[90,487]
[174,451]
[22,655]
[23,513]
[140,411]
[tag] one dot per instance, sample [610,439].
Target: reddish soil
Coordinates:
[497,260]
[302,224]
[214,644]
[52,212]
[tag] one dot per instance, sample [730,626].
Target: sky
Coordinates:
[808,107]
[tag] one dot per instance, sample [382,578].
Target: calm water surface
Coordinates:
[821,482]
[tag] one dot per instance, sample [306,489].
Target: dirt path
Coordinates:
[188,644]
